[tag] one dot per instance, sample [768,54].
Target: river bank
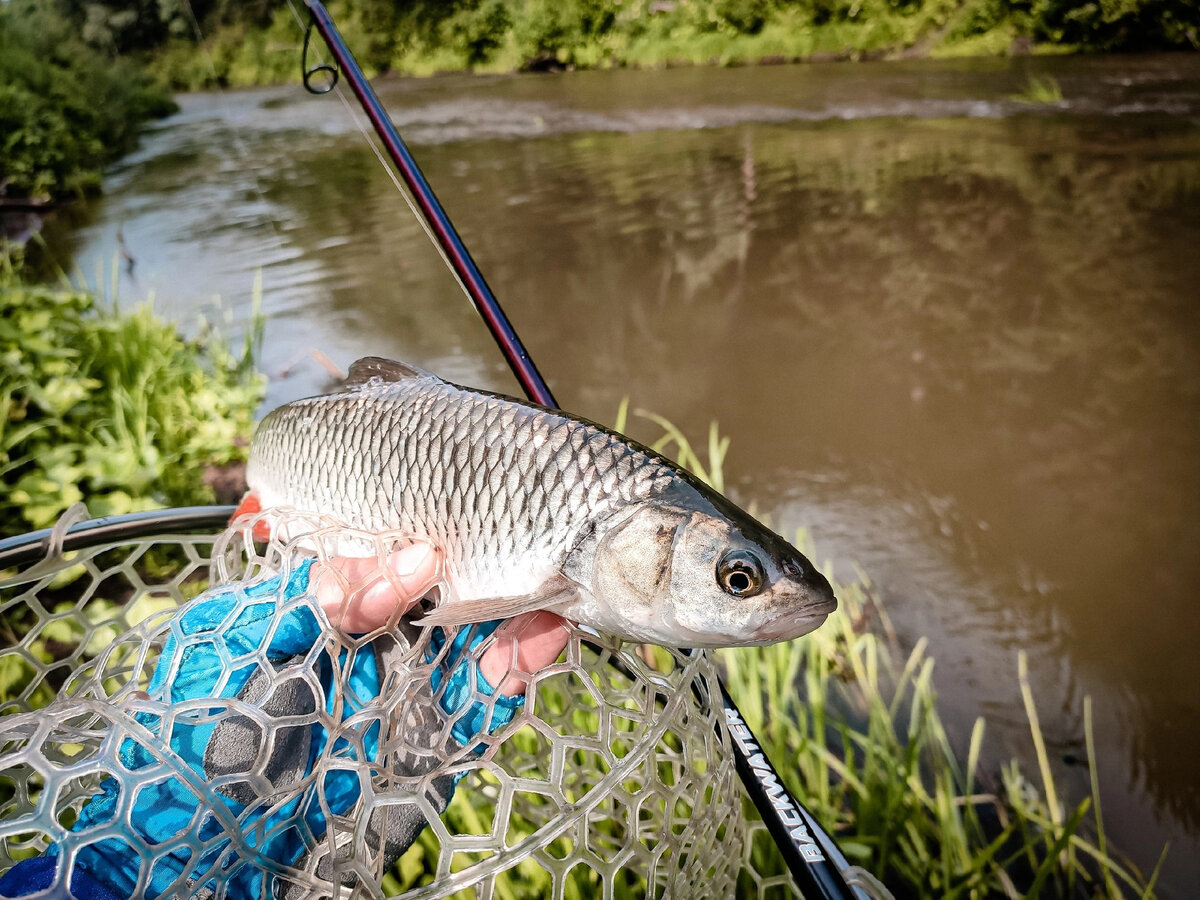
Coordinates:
[261,45]
[112,407]
[240,57]
[78,79]
[66,110]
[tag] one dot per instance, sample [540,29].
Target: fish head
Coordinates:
[694,576]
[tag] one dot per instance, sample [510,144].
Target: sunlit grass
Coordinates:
[484,38]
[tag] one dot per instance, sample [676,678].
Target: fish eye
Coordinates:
[740,573]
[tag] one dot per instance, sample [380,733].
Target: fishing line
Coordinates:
[239,146]
[242,151]
[399,185]
[336,88]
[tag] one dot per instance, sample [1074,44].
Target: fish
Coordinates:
[535,509]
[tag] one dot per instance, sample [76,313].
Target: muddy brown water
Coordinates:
[954,334]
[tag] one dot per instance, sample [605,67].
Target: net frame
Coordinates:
[634,831]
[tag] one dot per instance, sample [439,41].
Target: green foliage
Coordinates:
[127,26]
[423,36]
[477,32]
[1117,24]
[112,408]
[258,42]
[65,108]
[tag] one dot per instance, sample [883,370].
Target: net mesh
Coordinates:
[230,742]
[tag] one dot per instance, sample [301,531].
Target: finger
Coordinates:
[359,596]
[523,646]
[411,573]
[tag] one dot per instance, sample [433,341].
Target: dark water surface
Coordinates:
[954,334]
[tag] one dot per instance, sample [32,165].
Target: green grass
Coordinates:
[424,38]
[67,67]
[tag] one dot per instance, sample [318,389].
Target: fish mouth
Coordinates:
[822,607]
[783,627]
[796,623]
[821,599]
[788,627]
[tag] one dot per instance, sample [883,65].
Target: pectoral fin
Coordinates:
[554,593]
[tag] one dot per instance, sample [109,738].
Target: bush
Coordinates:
[1117,24]
[256,42]
[65,109]
[477,32]
[115,409]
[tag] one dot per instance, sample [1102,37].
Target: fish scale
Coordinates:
[482,477]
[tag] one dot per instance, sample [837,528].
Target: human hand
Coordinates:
[358,598]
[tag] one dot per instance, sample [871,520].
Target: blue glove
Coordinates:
[220,658]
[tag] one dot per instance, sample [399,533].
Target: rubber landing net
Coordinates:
[614,779]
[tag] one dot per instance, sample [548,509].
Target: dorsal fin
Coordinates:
[369,367]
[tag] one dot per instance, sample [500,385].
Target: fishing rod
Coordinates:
[810,853]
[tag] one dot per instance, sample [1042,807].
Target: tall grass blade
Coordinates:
[622,415]
[1094,777]
[1050,863]
[1162,858]
[1039,743]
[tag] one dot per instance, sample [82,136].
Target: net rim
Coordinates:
[32,546]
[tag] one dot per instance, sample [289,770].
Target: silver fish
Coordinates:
[536,509]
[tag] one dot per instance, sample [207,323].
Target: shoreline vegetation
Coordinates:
[79,77]
[115,408]
[66,107]
[426,37]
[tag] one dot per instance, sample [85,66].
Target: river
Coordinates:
[954,333]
